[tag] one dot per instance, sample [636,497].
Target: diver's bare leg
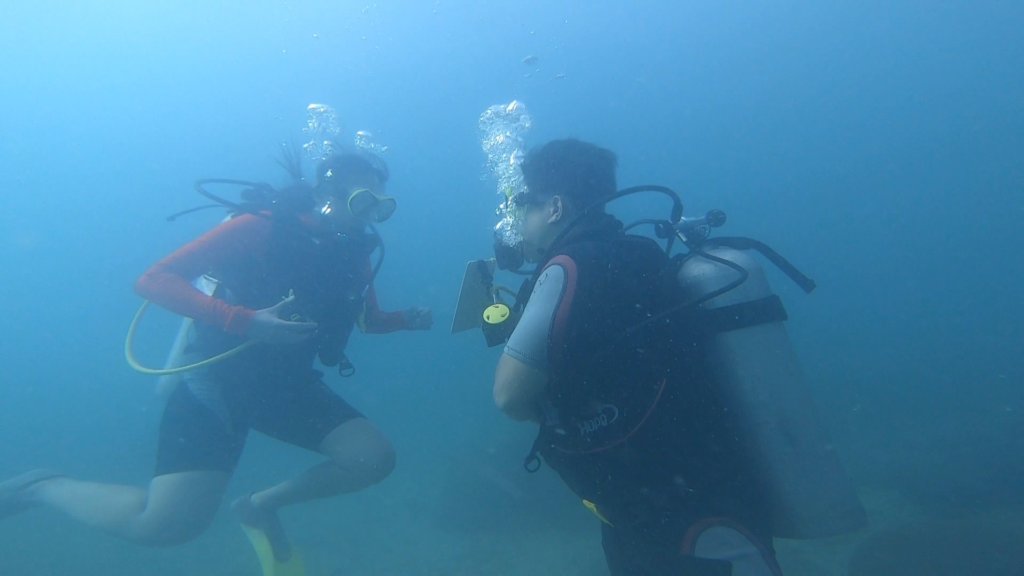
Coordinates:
[176,507]
[359,455]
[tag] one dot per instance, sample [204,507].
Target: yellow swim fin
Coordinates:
[593,508]
[294,566]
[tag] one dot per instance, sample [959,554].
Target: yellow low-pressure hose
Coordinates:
[129,354]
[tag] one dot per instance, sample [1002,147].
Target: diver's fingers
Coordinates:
[287,332]
[279,308]
[301,327]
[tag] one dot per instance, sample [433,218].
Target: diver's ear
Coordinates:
[556,210]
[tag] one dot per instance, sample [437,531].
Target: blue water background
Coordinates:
[878,145]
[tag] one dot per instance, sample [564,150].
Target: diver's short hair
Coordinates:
[351,163]
[580,170]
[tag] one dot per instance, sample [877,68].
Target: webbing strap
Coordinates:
[743,315]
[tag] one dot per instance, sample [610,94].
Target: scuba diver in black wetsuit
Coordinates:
[609,360]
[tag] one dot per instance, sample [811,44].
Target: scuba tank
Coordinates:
[758,377]
[169,379]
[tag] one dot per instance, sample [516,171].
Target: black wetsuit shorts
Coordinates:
[207,419]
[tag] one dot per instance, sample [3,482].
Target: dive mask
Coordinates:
[365,205]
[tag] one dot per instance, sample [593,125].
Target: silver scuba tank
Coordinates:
[760,381]
[166,384]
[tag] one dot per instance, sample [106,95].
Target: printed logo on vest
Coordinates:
[605,416]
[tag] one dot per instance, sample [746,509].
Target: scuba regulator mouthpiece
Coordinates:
[508,257]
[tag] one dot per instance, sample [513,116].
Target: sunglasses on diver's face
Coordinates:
[525,199]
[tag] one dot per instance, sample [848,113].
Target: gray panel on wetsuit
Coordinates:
[529,341]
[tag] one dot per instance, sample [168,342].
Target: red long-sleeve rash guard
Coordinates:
[245,238]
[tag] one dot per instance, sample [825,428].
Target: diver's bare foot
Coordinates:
[265,521]
[16,493]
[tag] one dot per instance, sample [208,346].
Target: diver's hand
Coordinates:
[267,325]
[418,318]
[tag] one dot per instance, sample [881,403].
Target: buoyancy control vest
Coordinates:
[675,391]
[632,423]
[328,274]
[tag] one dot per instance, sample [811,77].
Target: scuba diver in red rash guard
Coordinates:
[293,280]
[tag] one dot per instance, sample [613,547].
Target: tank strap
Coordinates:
[743,315]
